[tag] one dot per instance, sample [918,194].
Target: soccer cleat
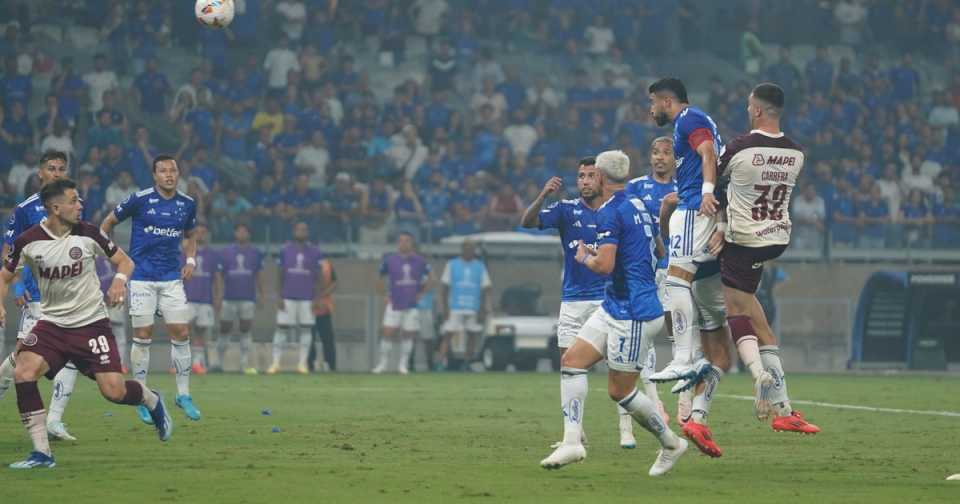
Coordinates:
[161,419]
[144,415]
[700,370]
[667,458]
[403,370]
[673,372]
[198,369]
[583,440]
[379,369]
[59,431]
[761,403]
[303,370]
[794,423]
[250,371]
[563,455]
[702,437]
[34,460]
[274,369]
[185,403]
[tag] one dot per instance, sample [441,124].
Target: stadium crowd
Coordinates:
[280,118]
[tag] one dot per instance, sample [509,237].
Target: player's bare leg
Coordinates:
[443,349]
[182,363]
[682,315]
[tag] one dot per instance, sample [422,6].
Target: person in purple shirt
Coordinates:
[404,277]
[118,317]
[241,274]
[203,297]
[299,283]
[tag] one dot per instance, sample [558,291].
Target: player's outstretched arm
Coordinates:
[531,216]
[708,157]
[667,207]
[108,223]
[123,266]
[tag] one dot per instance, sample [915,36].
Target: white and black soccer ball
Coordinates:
[214,13]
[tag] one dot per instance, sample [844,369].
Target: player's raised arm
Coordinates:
[708,157]
[531,216]
[600,261]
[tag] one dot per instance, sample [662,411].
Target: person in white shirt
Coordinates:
[294,18]
[21,172]
[119,190]
[428,15]
[278,63]
[489,96]
[914,178]
[943,114]
[313,160]
[406,151]
[487,68]
[520,134]
[890,188]
[59,140]
[100,80]
[809,211]
[196,90]
[599,36]
[543,96]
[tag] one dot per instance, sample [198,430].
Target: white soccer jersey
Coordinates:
[763,171]
[65,270]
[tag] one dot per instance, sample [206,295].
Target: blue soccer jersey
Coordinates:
[159,225]
[575,221]
[632,291]
[690,128]
[652,192]
[26,215]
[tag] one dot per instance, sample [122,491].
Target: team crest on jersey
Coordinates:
[758,159]
[75,253]
[30,339]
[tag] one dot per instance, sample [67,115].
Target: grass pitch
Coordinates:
[479,438]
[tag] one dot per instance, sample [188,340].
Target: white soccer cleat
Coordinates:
[379,369]
[564,454]
[674,371]
[583,440]
[761,403]
[403,370]
[59,431]
[627,441]
[667,458]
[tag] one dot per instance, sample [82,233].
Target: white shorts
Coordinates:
[148,298]
[117,315]
[296,312]
[708,298]
[428,330]
[690,235]
[201,314]
[624,343]
[29,315]
[573,314]
[232,310]
[462,320]
[406,320]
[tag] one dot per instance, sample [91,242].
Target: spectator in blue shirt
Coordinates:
[17,131]
[845,217]
[103,133]
[905,79]
[15,87]
[916,219]
[152,89]
[820,72]
[875,219]
[139,157]
[70,89]
[236,125]
[946,215]
[266,201]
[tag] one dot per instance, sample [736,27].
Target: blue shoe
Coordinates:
[161,419]
[144,415]
[185,403]
[35,459]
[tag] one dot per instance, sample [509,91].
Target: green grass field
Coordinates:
[479,438]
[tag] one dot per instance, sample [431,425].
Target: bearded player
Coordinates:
[763,166]
[74,325]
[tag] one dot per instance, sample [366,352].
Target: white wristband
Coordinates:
[121,277]
[192,262]
[707,188]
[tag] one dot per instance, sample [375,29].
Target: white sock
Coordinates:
[306,336]
[750,355]
[246,342]
[644,411]
[626,421]
[140,359]
[62,389]
[573,396]
[180,355]
[120,335]
[701,401]
[770,356]
[279,341]
[222,344]
[150,398]
[7,366]
[650,390]
[406,349]
[385,346]
[682,316]
[36,424]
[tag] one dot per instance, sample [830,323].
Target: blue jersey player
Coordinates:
[697,147]
[163,218]
[625,249]
[53,166]
[576,221]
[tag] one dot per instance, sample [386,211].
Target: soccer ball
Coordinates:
[214,13]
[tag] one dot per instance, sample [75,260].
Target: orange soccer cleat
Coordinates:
[702,437]
[198,369]
[794,423]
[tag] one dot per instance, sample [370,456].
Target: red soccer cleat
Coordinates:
[702,437]
[794,423]
[198,369]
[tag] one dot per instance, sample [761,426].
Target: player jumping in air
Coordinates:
[163,218]
[73,325]
[625,250]
[763,166]
[696,147]
[53,166]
